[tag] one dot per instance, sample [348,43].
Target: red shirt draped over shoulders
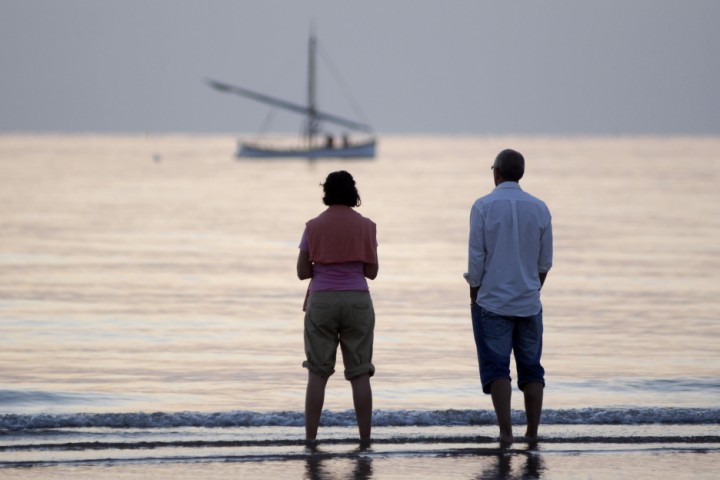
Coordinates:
[340,234]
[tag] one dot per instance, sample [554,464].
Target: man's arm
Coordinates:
[546,252]
[476,253]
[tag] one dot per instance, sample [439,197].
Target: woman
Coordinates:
[338,251]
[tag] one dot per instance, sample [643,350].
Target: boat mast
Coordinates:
[312,121]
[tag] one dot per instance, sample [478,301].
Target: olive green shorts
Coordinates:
[343,317]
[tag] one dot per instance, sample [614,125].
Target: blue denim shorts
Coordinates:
[496,336]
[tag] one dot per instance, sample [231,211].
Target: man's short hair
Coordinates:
[510,165]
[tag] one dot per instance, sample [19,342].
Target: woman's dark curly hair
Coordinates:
[339,188]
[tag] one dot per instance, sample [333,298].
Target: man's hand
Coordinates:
[543,276]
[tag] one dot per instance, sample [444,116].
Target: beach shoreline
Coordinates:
[556,460]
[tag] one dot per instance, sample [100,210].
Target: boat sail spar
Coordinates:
[315,144]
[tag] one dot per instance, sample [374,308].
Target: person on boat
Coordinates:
[329,141]
[338,252]
[510,254]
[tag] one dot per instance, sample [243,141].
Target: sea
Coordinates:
[151,322]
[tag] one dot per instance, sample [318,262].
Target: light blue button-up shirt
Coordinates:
[510,245]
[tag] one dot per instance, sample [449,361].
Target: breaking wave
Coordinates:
[389,418]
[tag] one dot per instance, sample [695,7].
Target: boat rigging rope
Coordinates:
[335,72]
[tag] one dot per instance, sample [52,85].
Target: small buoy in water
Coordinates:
[157,157]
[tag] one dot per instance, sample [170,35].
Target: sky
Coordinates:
[405,66]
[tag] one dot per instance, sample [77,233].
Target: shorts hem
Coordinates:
[368,368]
[318,371]
[521,386]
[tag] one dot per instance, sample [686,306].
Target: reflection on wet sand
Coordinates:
[316,467]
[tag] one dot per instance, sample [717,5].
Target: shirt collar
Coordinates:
[508,184]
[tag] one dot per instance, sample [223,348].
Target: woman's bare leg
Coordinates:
[314,400]
[362,399]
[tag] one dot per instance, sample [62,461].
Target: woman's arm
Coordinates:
[304,265]
[370,270]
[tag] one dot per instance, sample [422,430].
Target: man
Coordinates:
[510,253]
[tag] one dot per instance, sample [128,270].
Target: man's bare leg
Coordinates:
[314,400]
[533,408]
[362,399]
[501,392]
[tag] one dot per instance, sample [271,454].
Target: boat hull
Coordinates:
[362,150]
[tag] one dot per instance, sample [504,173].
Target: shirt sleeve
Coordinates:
[476,248]
[546,248]
[304,242]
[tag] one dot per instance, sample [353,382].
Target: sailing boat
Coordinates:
[315,145]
